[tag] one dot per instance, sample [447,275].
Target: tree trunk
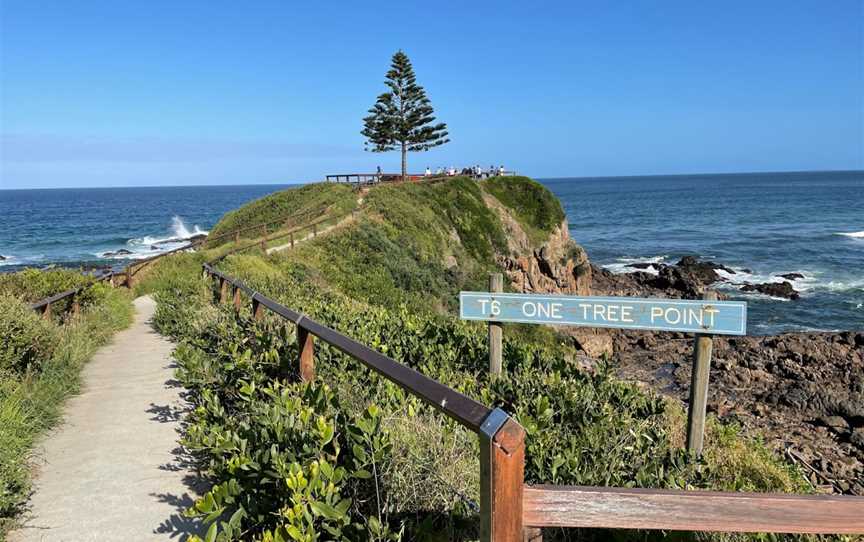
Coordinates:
[404,163]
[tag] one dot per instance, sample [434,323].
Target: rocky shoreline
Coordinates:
[802,392]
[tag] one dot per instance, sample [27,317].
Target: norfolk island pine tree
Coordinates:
[403,117]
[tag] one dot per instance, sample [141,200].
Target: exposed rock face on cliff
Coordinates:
[560,266]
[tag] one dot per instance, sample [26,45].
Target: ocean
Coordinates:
[77,226]
[760,225]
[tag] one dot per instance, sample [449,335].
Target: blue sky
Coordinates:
[161,93]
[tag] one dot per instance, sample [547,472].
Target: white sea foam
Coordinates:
[150,245]
[853,234]
[31,259]
[623,265]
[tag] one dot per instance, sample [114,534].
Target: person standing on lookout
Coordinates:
[428,171]
[501,170]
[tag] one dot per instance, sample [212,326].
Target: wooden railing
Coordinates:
[374,178]
[512,511]
[263,227]
[126,278]
[291,234]
[45,305]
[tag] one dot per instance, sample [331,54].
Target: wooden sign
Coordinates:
[683,315]
[705,317]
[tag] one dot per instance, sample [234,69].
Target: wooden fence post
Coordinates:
[502,475]
[237,300]
[496,329]
[237,238]
[76,306]
[223,290]
[46,311]
[306,348]
[292,239]
[315,229]
[699,386]
[257,310]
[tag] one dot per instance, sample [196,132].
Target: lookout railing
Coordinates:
[512,511]
[288,220]
[361,179]
[292,235]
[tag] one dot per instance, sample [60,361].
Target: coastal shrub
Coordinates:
[26,339]
[533,204]
[31,402]
[582,428]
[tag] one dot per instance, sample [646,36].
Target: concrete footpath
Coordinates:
[113,469]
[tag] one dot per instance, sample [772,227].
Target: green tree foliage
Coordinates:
[403,118]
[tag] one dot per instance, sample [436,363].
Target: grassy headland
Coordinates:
[351,455]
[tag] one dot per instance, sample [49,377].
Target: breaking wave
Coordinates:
[139,248]
[625,264]
[852,234]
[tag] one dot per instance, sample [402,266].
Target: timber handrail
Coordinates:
[237,232]
[676,510]
[512,511]
[502,440]
[45,304]
[460,407]
[289,233]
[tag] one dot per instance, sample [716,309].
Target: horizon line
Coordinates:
[705,174]
[581,177]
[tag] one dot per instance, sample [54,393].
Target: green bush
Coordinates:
[26,339]
[31,285]
[582,428]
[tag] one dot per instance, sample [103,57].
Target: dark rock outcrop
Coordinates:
[774,289]
[121,252]
[791,276]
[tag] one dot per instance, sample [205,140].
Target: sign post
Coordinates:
[496,329]
[702,348]
[705,318]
